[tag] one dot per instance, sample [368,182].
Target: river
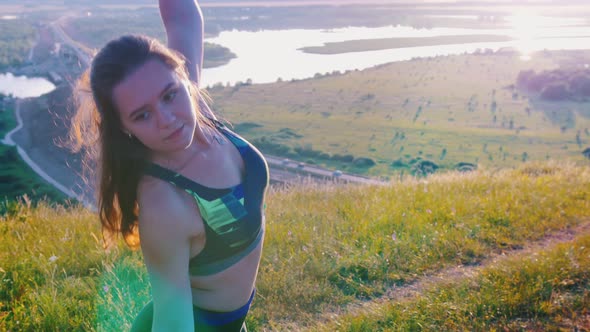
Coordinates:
[264,56]
[267,55]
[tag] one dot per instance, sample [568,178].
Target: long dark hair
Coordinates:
[117,160]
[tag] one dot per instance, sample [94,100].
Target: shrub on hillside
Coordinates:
[307,152]
[399,163]
[579,84]
[424,167]
[268,146]
[555,92]
[524,77]
[347,158]
[555,85]
[465,167]
[364,162]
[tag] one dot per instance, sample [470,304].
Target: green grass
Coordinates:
[17,37]
[56,276]
[326,247]
[545,291]
[416,109]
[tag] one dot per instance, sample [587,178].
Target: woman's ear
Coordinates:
[127,133]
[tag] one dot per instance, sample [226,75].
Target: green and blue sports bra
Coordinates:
[233,217]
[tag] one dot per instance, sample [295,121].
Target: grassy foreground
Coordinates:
[545,291]
[332,246]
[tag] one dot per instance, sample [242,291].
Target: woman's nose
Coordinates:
[165,117]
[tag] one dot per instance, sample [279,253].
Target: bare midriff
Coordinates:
[229,289]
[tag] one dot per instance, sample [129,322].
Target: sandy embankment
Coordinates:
[45,123]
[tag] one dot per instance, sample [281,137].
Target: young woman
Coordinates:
[174,179]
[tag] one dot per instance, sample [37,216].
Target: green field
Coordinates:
[16,39]
[332,254]
[445,109]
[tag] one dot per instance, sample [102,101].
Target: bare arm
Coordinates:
[184,25]
[166,250]
[183,21]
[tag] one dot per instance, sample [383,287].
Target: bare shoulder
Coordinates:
[165,220]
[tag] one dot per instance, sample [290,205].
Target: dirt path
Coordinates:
[458,273]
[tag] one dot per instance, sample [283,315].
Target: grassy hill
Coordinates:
[332,248]
[445,109]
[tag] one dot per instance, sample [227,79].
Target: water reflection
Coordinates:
[265,56]
[24,87]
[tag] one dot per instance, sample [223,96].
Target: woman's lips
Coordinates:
[175,134]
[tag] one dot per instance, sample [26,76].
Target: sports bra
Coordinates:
[233,217]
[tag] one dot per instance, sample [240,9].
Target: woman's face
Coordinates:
[155,106]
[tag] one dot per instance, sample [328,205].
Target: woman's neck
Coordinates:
[204,139]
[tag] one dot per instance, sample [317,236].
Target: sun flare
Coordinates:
[525,28]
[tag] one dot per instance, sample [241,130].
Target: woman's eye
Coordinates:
[142,116]
[169,96]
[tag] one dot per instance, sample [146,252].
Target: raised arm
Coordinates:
[184,25]
[183,21]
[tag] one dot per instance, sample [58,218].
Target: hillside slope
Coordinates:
[329,248]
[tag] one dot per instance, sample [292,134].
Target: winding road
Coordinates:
[23,154]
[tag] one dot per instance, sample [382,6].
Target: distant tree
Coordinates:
[555,92]
[424,167]
[465,167]
[524,77]
[443,153]
[398,163]
[364,162]
[586,153]
[579,85]
[347,158]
